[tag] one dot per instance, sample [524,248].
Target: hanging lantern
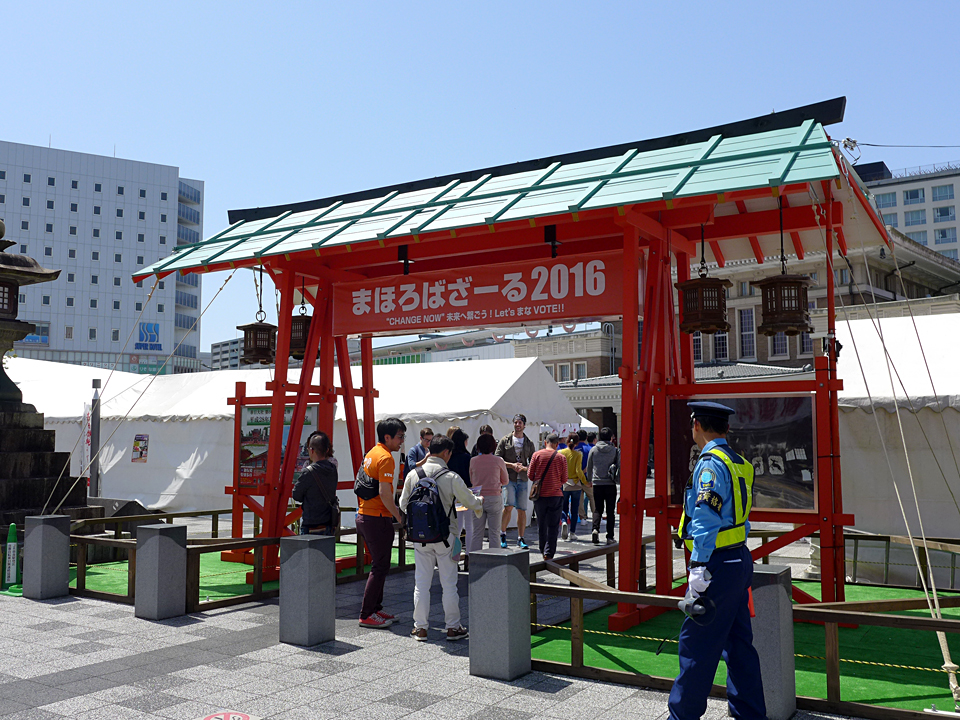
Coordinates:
[785,307]
[703,300]
[259,338]
[300,329]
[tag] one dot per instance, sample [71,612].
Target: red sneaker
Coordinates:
[375,622]
[385,615]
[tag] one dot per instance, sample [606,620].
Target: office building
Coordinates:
[99,219]
[226,355]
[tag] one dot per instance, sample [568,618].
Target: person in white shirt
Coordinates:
[441,555]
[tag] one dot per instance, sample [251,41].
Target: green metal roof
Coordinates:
[716,165]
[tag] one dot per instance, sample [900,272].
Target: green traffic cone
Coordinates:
[11,564]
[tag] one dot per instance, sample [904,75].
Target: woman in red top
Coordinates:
[551,466]
[488,476]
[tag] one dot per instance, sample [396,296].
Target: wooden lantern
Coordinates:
[259,343]
[784,304]
[299,330]
[704,303]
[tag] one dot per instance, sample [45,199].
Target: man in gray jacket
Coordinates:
[603,470]
[445,555]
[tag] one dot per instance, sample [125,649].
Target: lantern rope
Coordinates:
[137,400]
[934,603]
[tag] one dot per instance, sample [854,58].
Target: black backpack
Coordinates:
[427,520]
[365,486]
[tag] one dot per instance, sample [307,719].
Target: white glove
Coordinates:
[479,512]
[699,580]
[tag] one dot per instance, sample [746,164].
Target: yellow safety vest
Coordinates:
[742,475]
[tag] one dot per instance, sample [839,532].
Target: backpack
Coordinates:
[427,520]
[365,486]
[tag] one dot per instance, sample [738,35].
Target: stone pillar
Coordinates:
[308,589]
[773,639]
[161,586]
[500,613]
[46,557]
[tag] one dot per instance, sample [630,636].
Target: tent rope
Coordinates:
[140,396]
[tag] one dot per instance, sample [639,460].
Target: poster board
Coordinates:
[255,440]
[141,444]
[775,433]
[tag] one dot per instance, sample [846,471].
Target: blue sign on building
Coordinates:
[149,337]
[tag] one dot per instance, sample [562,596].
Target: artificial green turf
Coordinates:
[218,579]
[875,685]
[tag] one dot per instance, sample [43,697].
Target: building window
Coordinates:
[160,310]
[117,257]
[779,342]
[580,370]
[915,217]
[748,334]
[26,202]
[72,254]
[95,255]
[163,239]
[74,184]
[843,276]
[48,252]
[952,253]
[116,304]
[720,351]
[50,205]
[52,182]
[22,298]
[163,217]
[139,306]
[97,187]
[918,236]
[71,277]
[119,234]
[120,212]
[119,189]
[163,196]
[140,284]
[913,197]
[48,227]
[115,335]
[945,214]
[945,235]
[116,282]
[96,232]
[92,334]
[3,174]
[889,219]
[68,332]
[143,193]
[24,224]
[45,300]
[941,192]
[23,249]
[806,344]
[93,303]
[887,200]
[3,199]
[139,259]
[96,209]
[73,229]
[697,347]
[26,177]
[94,279]
[160,285]
[746,289]
[69,302]
[73,207]
[141,215]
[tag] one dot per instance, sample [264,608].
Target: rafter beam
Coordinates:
[767,222]
[794,236]
[754,242]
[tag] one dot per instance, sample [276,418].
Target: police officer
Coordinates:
[714,527]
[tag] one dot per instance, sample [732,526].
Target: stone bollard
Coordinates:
[161,585]
[308,589]
[46,557]
[773,639]
[500,613]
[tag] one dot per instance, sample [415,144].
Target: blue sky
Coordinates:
[275,103]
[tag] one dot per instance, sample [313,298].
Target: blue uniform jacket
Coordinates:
[703,524]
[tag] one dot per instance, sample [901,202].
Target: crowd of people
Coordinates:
[490,480]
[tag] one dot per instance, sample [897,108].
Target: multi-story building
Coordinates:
[98,219]
[226,355]
[920,201]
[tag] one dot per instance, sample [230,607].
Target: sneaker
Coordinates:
[419,634]
[457,633]
[385,615]
[375,622]
[564,530]
[596,538]
[522,544]
[503,540]
[573,537]
[610,541]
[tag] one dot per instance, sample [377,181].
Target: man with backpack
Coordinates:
[429,498]
[316,489]
[603,471]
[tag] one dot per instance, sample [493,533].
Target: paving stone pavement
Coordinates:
[93,660]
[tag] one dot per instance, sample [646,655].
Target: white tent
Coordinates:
[930,414]
[191,426]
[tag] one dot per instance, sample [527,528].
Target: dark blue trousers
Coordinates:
[729,636]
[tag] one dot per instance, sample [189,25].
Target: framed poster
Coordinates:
[255,439]
[775,433]
[140,446]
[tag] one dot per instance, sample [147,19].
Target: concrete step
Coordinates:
[32,493]
[20,418]
[22,465]
[27,440]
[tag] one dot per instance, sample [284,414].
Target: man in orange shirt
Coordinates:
[375,520]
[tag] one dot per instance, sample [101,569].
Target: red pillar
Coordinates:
[366,371]
[349,403]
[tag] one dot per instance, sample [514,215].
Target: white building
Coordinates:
[919,202]
[98,219]
[226,355]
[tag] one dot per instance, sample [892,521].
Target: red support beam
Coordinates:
[686,341]
[794,236]
[767,222]
[754,242]
[349,403]
[718,254]
[366,371]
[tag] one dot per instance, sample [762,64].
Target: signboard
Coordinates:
[140,445]
[255,439]
[776,434]
[523,292]
[149,337]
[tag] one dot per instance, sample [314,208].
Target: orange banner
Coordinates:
[529,292]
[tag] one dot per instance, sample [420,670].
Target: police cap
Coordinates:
[701,408]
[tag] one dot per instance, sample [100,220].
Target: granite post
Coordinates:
[773,639]
[161,586]
[500,613]
[46,557]
[308,589]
